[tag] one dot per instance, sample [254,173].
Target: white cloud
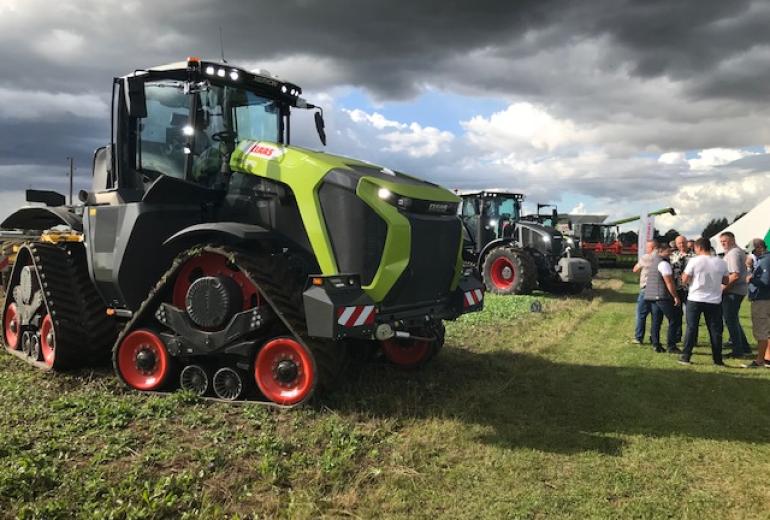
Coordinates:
[672,158]
[378,121]
[59,44]
[35,104]
[414,140]
[698,203]
[711,157]
[520,124]
[579,209]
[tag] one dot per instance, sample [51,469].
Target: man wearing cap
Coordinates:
[759,296]
[733,293]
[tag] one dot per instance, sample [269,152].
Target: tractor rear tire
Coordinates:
[508,270]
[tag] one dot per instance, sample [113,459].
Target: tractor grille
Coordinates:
[357,233]
[432,260]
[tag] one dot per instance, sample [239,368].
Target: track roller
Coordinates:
[48,341]
[12,328]
[195,378]
[143,361]
[34,348]
[228,383]
[26,343]
[285,371]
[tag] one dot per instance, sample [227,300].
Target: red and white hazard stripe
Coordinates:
[4,262]
[474,297]
[356,316]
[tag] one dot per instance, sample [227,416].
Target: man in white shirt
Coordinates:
[705,274]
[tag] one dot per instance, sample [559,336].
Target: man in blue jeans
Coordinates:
[759,295]
[642,305]
[733,293]
[661,293]
[705,275]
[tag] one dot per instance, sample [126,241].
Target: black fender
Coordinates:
[42,218]
[490,246]
[229,232]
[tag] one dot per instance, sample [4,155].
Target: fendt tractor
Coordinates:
[517,255]
[212,255]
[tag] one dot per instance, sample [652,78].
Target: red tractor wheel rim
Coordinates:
[143,360]
[11,327]
[284,371]
[502,273]
[406,353]
[212,264]
[47,341]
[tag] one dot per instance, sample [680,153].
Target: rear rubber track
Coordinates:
[83,333]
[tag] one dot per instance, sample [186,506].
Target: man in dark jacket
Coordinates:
[759,296]
[661,293]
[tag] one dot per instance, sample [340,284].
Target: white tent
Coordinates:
[754,224]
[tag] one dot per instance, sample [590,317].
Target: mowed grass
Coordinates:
[523,415]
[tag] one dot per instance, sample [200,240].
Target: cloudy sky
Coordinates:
[602,106]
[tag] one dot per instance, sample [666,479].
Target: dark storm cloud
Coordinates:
[659,75]
[391,48]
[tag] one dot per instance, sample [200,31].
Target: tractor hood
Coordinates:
[363,218]
[297,167]
[546,239]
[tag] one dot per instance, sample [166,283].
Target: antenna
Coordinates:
[222,45]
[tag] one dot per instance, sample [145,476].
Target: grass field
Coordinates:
[523,415]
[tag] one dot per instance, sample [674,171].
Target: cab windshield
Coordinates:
[501,207]
[190,136]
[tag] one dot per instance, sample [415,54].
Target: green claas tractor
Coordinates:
[212,255]
[516,254]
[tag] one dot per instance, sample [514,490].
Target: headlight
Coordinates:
[493,223]
[546,239]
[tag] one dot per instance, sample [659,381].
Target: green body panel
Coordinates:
[303,172]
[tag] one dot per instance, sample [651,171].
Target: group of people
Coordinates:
[684,279]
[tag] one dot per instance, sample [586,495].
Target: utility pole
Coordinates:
[72,171]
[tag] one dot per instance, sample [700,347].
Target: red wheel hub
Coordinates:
[406,354]
[284,371]
[143,360]
[47,341]
[212,264]
[12,327]
[502,273]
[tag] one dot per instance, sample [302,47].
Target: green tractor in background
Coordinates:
[515,254]
[212,255]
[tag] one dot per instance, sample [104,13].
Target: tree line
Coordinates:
[714,226]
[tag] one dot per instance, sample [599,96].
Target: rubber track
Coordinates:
[83,332]
[277,285]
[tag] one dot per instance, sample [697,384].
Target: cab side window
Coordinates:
[161,135]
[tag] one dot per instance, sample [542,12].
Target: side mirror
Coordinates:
[320,126]
[83,196]
[136,102]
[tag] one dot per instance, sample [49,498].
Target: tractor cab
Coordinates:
[184,121]
[488,216]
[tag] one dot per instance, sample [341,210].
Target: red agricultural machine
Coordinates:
[610,247]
